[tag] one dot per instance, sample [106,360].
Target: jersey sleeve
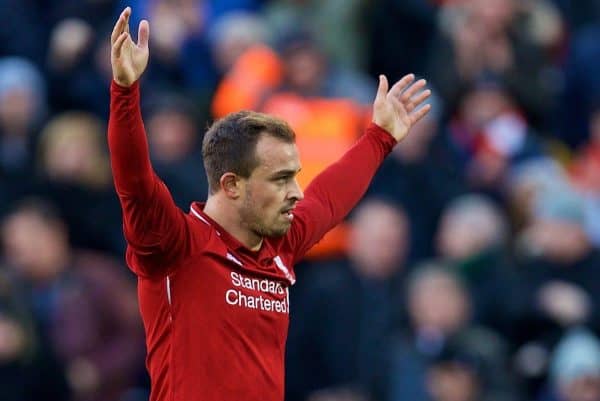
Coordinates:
[154,227]
[333,193]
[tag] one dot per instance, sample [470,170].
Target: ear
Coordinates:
[231,185]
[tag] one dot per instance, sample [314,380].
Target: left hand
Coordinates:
[397,110]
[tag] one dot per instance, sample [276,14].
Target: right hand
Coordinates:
[128,59]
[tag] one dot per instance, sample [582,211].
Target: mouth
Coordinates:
[288,214]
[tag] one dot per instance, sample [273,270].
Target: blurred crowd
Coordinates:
[470,272]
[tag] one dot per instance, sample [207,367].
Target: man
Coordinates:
[213,284]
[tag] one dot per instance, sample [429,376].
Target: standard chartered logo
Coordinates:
[236,296]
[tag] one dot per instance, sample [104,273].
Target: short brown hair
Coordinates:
[229,145]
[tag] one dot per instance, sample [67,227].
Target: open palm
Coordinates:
[128,59]
[397,110]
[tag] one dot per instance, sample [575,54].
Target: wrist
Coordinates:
[382,135]
[123,88]
[123,84]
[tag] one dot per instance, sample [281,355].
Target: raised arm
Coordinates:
[154,227]
[130,159]
[334,192]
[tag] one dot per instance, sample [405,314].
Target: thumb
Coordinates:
[382,90]
[143,34]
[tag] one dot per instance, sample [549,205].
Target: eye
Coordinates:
[282,178]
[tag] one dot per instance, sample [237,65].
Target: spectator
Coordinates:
[488,134]
[529,180]
[420,172]
[74,77]
[455,375]
[483,37]
[337,25]
[349,307]
[82,302]
[233,34]
[440,315]
[174,148]
[575,368]
[558,279]
[28,367]
[74,173]
[181,52]
[22,108]
[473,239]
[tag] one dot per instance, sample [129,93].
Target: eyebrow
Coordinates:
[284,173]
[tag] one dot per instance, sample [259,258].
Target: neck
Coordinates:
[227,216]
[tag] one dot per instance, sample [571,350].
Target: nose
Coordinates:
[296,192]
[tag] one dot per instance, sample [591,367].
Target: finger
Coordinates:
[143,34]
[127,13]
[418,114]
[382,90]
[418,99]
[119,27]
[402,84]
[118,46]
[414,88]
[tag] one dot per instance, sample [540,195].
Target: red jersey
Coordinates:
[216,313]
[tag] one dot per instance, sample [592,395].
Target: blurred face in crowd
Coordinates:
[17,109]
[69,41]
[560,241]
[34,246]
[229,50]
[234,34]
[494,15]
[379,239]
[582,389]
[71,148]
[482,105]
[437,303]
[450,381]
[171,135]
[467,233]
[305,67]
[271,191]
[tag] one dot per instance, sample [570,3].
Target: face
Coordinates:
[171,136]
[17,110]
[379,240]
[481,106]
[438,304]
[304,68]
[271,191]
[561,241]
[33,246]
[465,234]
[452,382]
[71,156]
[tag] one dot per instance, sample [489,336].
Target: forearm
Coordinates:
[130,160]
[338,189]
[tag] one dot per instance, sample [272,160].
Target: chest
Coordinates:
[230,295]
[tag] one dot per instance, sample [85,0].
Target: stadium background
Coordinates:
[470,272]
